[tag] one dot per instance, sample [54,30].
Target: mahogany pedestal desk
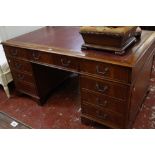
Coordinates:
[112,87]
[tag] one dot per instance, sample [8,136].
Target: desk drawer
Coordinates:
[103,101]
[65,62]
[97,114]
[15,52]
[39,56]
[112,89]
[26,88]
[20,65]
[22,77]
[105,70]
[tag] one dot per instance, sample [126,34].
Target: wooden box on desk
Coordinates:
[112,38]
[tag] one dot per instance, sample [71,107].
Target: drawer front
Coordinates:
[22,77]
[65,62]
[20,65]
[105,70]
[39,56]
[107,118]
[26,88]
[112,89]
[15,52]
[103,101]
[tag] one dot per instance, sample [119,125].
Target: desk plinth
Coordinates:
[112,87]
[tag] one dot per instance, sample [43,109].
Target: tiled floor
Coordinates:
[7,122]
[62,110]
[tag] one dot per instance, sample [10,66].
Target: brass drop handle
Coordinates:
[104,116]
[17,65]
[14,52]
[20,76]
[102,103]
[65,62]
[101,115]
[106,69]
[36,55]
[101,89]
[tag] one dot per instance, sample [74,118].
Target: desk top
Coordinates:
[68,41]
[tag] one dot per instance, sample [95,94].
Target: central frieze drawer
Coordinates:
[65,62]
[39,56]
[106,70]
[112,89]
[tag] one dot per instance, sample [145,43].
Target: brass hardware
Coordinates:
[17,65]
[14,52]
[102,103]
[102,72]
[20,76]
[101,89]
[36,55]
[101,115]
[65,62]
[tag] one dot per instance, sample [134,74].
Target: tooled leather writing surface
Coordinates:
[69,41]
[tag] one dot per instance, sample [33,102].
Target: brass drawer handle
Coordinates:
[102,72]
[36,55]
[14,52]
[102,116]
[102,103]
[17,65]
[65,63]
[20,76]
[101,89]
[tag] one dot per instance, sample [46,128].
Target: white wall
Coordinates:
[8,32]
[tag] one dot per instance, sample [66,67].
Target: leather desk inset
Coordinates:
[112,87]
